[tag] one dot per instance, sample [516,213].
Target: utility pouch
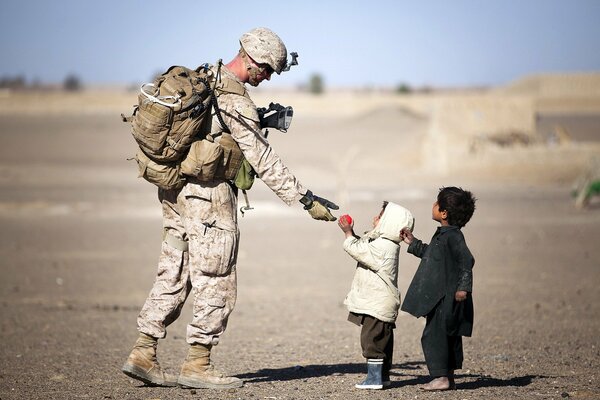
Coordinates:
[150,124]
[203,160]
[165,176]
[232,157]
[245,176]
[218,248]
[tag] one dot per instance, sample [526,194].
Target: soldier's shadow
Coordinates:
[403,370]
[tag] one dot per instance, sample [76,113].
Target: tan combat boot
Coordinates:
[198,372]
[143,365]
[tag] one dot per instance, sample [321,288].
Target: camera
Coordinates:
[276,116]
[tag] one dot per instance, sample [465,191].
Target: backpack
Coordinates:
[170,112]
[173,114]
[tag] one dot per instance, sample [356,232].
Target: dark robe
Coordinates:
[446,267]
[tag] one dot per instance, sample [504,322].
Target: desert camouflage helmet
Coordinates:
[265,47]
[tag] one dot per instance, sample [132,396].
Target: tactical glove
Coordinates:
[318,207]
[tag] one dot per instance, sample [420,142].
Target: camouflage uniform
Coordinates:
[203,216]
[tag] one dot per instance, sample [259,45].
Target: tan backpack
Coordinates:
[172,112]
[173,115]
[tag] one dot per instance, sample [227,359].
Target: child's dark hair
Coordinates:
[458,203]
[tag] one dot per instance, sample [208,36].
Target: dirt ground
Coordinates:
[81,233]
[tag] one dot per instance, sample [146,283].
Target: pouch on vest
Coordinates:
[235,167]
[245,176]
[203,160]
[165,176]
[232,157]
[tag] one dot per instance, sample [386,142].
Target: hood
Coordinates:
[394,218]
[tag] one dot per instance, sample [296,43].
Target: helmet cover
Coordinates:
[265,47]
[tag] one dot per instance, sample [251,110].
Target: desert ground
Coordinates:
[81,235]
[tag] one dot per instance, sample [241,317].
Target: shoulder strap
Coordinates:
[225,84]
[213,97]
[231,86]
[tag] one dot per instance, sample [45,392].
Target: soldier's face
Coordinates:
[259,73]
[266,72]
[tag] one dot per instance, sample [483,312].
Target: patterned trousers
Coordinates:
[198,256]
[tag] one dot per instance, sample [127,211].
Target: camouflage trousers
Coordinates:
[202,216]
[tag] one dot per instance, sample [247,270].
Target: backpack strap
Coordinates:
[213,98]
[231,86]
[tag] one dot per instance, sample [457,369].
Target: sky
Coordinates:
[437,43]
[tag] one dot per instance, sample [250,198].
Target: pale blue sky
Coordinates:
[357,43]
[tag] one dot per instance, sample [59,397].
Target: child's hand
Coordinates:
[406,235]
[461,295]
[346,227]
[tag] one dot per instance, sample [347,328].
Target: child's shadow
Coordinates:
[406,369]
[301,372]
[482,381]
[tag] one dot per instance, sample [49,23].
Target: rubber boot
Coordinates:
[198,372]
[143,365]
[374,372]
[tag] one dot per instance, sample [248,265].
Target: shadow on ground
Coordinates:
[482,381]
[315,371]
[403,370]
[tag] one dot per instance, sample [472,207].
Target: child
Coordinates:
[441,288]
[374,299]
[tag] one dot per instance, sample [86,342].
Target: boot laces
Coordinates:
[212,370]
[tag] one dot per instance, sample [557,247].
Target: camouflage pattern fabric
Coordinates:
[205,215]
[265,47]
[240,115]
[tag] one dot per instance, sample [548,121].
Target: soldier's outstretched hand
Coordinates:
[318,207]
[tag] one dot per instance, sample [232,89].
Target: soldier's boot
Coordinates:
[143,365]
[198,372]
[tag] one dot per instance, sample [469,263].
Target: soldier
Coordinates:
[199,250]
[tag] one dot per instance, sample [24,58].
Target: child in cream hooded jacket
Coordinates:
[374,289]
[374,298]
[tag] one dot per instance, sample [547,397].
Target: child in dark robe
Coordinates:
[442,286]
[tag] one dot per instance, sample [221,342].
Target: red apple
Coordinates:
[347,218]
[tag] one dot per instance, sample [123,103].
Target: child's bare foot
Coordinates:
[441,383]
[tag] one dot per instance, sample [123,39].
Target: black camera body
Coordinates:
[276,116]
